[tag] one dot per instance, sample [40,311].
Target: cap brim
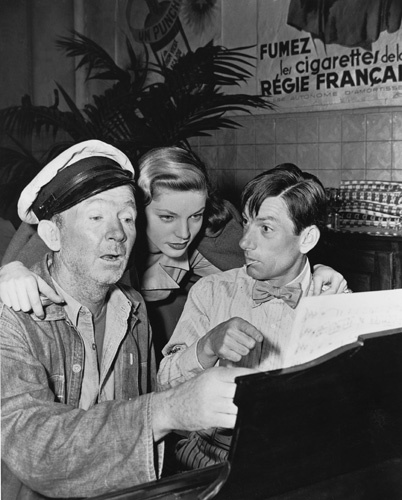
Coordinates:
[68,157]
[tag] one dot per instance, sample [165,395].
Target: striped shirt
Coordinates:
[211,301]
[217,298]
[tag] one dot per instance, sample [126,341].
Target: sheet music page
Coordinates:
[325,323]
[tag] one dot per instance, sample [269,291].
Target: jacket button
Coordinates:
[76,368]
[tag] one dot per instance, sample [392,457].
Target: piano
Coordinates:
[327,430]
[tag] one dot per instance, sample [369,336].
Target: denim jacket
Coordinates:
[50,446]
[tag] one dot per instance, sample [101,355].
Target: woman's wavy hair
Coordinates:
[180,169]
[303,194]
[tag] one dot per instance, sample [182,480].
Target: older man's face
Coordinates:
[97,236]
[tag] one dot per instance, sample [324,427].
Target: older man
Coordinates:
[78,414]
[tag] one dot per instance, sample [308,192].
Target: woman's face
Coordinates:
[174,219]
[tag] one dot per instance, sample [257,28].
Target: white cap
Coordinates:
[68,157]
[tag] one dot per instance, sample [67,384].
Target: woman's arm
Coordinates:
[21,289]
[327,281]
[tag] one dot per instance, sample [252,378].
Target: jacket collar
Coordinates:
[163,272]
[53,311]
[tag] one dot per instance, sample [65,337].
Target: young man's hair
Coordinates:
[303,194]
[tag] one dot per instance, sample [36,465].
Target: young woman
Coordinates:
[184,231]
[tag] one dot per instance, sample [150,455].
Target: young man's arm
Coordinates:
[198,343]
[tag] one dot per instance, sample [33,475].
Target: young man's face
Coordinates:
[271,247]
[97,236]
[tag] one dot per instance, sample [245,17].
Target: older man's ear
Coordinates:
[309,238]
[50,234]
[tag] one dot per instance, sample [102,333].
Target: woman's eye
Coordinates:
[96,217]
[197,216]
[166,218]
[244,221]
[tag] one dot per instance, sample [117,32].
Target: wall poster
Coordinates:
[319,54]
[170,28]
[310,54]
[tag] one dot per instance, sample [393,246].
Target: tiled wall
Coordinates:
[336,145]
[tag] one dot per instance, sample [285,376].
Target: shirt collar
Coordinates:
[116,299]
[304,278]
[179,262]
[72,306]
[54,311]
[163,272]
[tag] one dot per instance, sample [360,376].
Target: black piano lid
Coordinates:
[330,429]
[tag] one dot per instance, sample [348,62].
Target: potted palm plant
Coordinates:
[184,101]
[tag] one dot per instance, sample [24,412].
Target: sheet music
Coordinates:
[325,323]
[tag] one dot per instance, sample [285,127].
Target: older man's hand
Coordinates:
[202,402]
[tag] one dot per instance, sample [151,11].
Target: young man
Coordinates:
[243,317]
[78,415]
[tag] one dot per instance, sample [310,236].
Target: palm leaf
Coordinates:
[138,67]
[26,119]
[191,114]
[209,65]
[18,166]
[131,114]
[99,64]
[75,123]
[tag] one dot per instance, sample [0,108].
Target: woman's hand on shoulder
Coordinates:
[20,289]
[327,281]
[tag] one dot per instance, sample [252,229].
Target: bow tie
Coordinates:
[263,292]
